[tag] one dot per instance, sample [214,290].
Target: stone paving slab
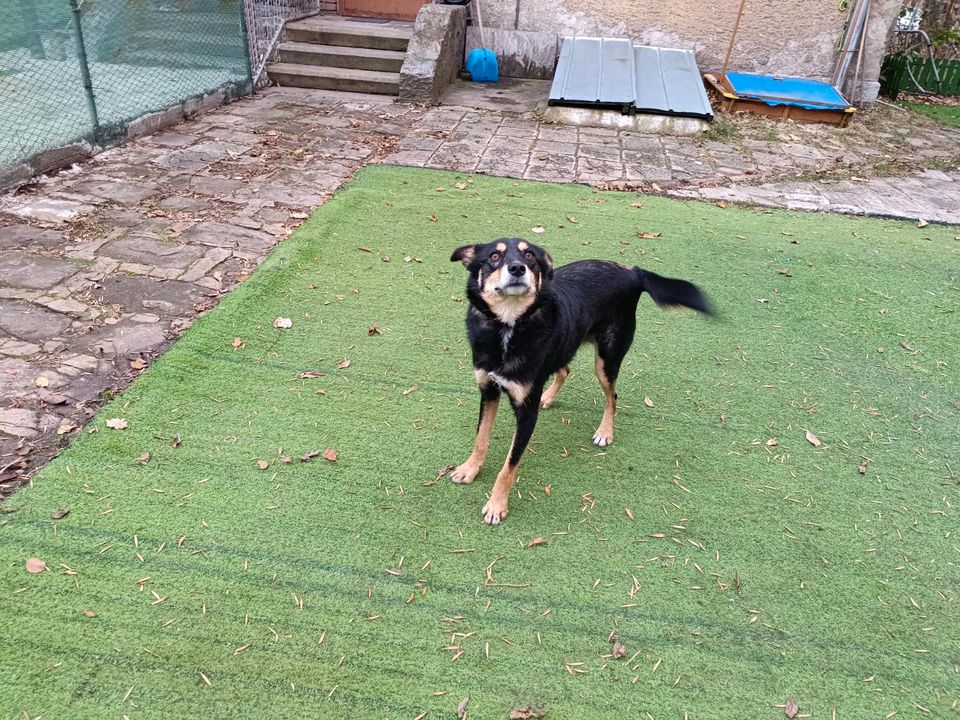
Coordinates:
[103,265]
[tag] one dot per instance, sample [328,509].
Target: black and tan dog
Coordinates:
[526,322]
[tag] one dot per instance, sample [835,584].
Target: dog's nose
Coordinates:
[517,268]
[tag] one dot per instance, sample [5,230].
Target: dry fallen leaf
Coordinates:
[629,513]
[432,218]
[648,235]
[411,389]
[36,565]
[785,272]
[636,204]
[572,219]
[65,427]
[721,204]
[89,613]
[51,398]
[527,712]
[619,651]
[538,229]
[237,342]
[374,330]
[117,423]
[536,541]
[176,441]
[772,442]
[365,248]
[813,439]
[547,490]
[862,467]
[922,223]
[310,455]
[138,364]
[310,375]
[462,707]
[791,709]
[648,402]
[263,464]
[330,454]
[60,513]
[144,459]
[343,364]
[42,382]
[283,323]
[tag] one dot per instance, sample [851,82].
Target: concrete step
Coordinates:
[325,30]
[298,53]
[334,78]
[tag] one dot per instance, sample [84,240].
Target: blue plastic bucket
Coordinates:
[482,65]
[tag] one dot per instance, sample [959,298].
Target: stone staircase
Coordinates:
[337,53]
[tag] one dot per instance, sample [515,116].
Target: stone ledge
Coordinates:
[60,157]
[434,54]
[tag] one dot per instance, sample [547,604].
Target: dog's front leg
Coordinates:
[489,403]
[526,411]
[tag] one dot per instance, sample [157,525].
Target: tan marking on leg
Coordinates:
[522,246]
[604,434]
[518,392]
[547,399]
[467,472]
[496,508]
[483,379]
[502,247]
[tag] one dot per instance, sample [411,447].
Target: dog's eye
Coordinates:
[528,255]
[494,257]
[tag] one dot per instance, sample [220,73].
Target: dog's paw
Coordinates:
[494,511]
[464,474]
[546,401]
[602,438]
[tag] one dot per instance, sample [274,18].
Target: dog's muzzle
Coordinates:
[516,281]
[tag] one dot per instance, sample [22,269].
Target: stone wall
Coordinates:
[776,37]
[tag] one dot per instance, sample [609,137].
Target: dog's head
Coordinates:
[507,274]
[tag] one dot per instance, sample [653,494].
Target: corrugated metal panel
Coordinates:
[669,82]
[594,72]
[613,73]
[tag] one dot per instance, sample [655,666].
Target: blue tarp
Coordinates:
[787,91]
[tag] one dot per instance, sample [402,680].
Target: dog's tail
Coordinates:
[670,292]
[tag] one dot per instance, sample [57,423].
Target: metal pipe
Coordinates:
[84,67]
[854,35]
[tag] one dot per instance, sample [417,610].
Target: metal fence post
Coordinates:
[244,5]
[84,68]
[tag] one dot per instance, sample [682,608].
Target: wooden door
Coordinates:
[392,9]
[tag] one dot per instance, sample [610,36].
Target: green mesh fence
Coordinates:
[83,69]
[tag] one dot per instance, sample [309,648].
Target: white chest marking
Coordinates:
[505,335]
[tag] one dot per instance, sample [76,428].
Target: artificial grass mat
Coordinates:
[752,568]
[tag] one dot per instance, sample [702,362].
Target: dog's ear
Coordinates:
[464,254]
[547,265]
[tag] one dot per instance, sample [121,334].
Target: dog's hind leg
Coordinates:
[489,403]
[604,434]
[548,397]
[612,346]
[526,411]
